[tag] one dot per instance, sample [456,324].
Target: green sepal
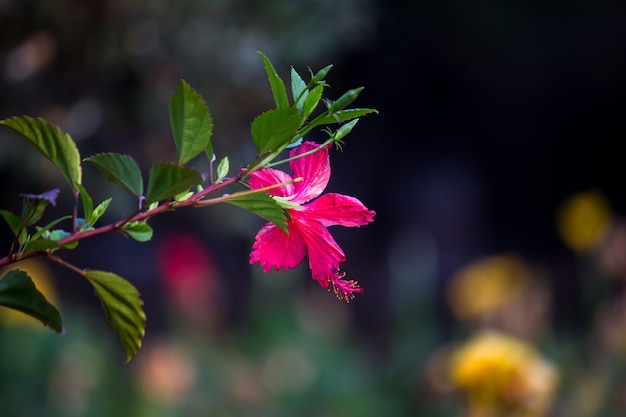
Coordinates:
[191,123]
[51,142]
[121,169]
[275,128]
[345,100]
[167,180]
[18,292]
[123,309]
[34,205]
[140,231]
[276,84]
[319,76]
[343,116]
[262,205]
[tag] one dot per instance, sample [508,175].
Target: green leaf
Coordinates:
[312,100]
[343,116]
[222,169]
[87,201]
[299,90]
[14,222]
[99,210]
[122,307]
[191,122]
[139,231]
[276,84]
[52,143]
[17,291]
[275,128]
[121,169]
[262,205]
[42,230]
[167,179]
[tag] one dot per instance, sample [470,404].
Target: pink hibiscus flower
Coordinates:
[308,233]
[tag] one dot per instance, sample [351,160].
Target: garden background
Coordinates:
[492,116]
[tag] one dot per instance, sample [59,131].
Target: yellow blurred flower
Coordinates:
[502,376]
[487,285]
[584,220]
[42,278]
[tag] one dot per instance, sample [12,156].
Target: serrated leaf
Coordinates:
[123,308]
[121,169]
[222,169]
[17,291]
[191,123]
[275,128]
[299,90]
[343,116]
[262,205]
[52,143]
[167,179]
[14,222]
[276,84]
[139,231]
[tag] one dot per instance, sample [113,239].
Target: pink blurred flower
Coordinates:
[309,221]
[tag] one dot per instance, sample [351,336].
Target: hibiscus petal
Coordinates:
[314,170]
[324,252]
[338,209]
[268,177]
[274,248]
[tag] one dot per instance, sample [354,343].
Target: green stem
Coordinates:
[307,153]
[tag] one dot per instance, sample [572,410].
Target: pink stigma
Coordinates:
[343,288]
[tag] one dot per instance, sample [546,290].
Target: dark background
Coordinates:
[490,115]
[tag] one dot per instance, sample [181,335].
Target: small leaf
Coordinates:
[312,100]
[276,84]
[275,128]
[222,169]
[298,90]
[14,222]
[99,210]
[262,205]
[139,231]
[185,195]
[17,291]
[167,179]
[52,143]
[87,201]
[42,230]
[343,116]
[121,169]
[191,122]
[122,307]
